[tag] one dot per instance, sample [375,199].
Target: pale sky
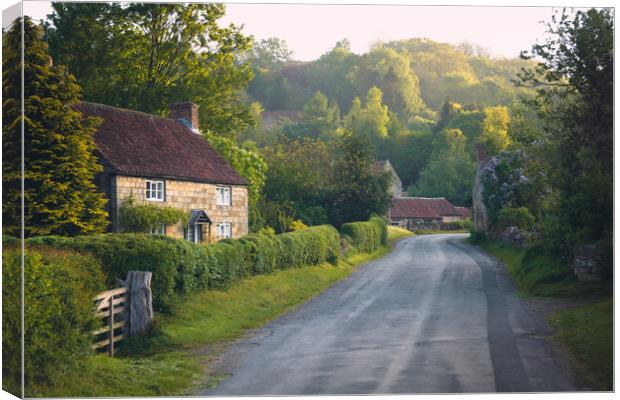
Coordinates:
[312,29]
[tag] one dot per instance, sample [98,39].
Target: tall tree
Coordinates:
[319,119]
[357,191]
[59,194]
[449,173]
[575,96]
[372,121]
[495,129]
[299,175]
[145,56]
[269,53]
[390,71]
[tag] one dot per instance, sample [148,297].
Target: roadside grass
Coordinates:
[173,359]
[539,274]
[588,334]
[586,331]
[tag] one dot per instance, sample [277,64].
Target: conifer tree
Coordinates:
[60,196]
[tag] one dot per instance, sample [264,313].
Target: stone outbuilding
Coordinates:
[396,186]
[166,162]
[423,213]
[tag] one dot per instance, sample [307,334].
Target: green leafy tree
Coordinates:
[247,161]
[298,179]
[525,127]
[59,194]
[449,173]
[390,71]
[269,53]
[319,119]
[146,56]
[495,129]
[357,192]
[574,86]
[372,121]
[330,74]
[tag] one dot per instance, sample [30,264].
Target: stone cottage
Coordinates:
[165,161]
[423,213]
[396,186]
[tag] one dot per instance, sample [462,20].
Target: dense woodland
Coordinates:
[545,117]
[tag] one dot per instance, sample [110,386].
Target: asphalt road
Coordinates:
[434,316]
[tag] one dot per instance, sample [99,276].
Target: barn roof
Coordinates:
[464,211]
[422,207]
[139,144]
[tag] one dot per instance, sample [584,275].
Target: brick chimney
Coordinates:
[186,113]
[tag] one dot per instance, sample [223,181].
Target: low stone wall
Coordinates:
[587,264]
[434,225]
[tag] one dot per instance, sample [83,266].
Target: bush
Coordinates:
[366,236]
[312,246]
[180,267]
[520,217]
[174,263]
[58,288]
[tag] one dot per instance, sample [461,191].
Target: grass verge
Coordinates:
[171,360]
[588,334]
[586,331]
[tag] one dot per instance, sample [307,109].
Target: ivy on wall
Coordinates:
[145,218]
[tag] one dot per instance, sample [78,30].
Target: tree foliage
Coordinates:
[357,192]
[247,161]
[318,119]
[450,171]
[574,86]
[59,193]
[146,56]
[495,129]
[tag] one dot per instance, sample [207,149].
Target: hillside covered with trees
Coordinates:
[421,104]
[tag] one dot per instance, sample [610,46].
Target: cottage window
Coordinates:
[223,230]
[155,190]
[160,230]
[223,195]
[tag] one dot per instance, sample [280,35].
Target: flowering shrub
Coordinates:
[506,184]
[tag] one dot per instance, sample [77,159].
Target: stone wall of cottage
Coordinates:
[187,196]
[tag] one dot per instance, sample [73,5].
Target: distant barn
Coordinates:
[423,213]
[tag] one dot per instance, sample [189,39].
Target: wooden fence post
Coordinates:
[138,284]
[111,323]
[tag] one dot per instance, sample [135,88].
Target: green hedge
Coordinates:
[180,267]
[58,288]
[366,236]
[175,263]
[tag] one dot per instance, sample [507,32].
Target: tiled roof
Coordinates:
[138,144]
[464,211]
[422,207]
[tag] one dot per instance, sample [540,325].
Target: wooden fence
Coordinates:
[113,306]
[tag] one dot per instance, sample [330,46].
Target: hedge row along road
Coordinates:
[434,316]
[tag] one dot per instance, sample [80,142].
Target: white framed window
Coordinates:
[223,195]
[155,190]
[160,230]
[223,230]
